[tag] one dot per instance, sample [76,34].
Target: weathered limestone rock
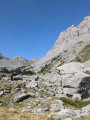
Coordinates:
[77,96]
[1,93]
[20,97]
[73,77]
[67,113]
[32,85]
[18,77]
[85,110]
[57,105]
[1,104]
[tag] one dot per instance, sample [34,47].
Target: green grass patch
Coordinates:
[84,54]
[53,62]
[80,42]
[87,72]
[76,103]
[61,64]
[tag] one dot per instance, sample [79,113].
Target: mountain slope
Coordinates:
[68,44]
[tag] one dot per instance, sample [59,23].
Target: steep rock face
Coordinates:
[72,35]
[68,44]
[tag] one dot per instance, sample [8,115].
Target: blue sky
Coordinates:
[29,28]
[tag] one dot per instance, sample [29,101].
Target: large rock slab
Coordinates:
[20,97]
[85,110]
[67,113]
[72,75]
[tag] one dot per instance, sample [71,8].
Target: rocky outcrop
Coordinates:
[56,107]
[85,110]
[67,113]
[70,114]
[74,79]
[20,97]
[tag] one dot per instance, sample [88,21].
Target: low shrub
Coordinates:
[36,79]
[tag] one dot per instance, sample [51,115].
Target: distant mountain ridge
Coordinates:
[3,57]
[14,62]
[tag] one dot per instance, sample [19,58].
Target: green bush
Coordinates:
[17,71]
[77,59]
[24,72]
[87,46]
[36,79]
[4,70]
[76,103]
[87,72]
[54,119]
[84,54]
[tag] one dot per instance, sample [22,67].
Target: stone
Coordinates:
[56,106]
[1,93]
[67,113]
[1,104]
[18,77]
[38,111]
[46,109]
[32,85]
[77,96]
[67,119]
[6,78]
[72,75]
[20,97]
[85,110]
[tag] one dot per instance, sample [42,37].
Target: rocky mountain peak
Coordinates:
[72,34]
[84,26]
[18,58]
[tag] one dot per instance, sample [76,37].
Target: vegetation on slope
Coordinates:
[84,54]
[76,103]
[51,64]
[17,71]
[87,72]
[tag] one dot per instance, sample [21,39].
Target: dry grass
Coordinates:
[6,114]
[83,118]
